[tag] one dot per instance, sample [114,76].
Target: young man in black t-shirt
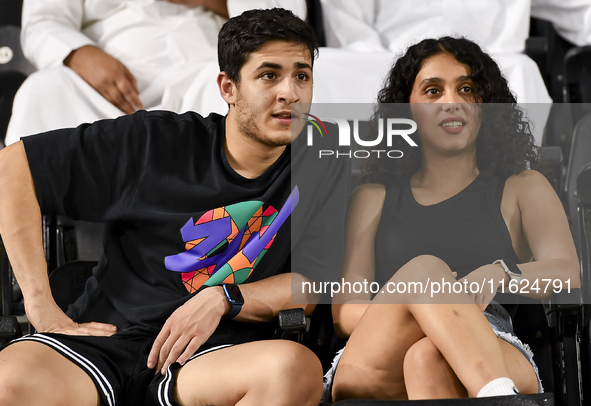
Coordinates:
[197,245]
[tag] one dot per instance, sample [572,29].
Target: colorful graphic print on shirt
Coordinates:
[225,244]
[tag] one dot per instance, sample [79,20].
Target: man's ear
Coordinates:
[227,88]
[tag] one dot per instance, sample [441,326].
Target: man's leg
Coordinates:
[277,372]
[34,374]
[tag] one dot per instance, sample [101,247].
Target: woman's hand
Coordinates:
[482,283]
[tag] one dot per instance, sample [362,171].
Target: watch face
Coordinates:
[233,293]
[512,266]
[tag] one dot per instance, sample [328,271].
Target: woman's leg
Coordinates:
[372,363]
[427,375]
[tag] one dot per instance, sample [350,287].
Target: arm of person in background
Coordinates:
[351,24]
[52,35]
[570,18]
[20,227]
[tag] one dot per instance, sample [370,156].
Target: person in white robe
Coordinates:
[364,38]
[100,59]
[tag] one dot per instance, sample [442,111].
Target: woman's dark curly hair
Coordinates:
[505,145]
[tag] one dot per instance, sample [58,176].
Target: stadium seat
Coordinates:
[547,48]
[315,19]
[14,69]
[577,71]
[578,193]
[11,12]
[542,399]
[577,81]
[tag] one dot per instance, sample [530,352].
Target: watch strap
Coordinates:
[510,268]
[236,300]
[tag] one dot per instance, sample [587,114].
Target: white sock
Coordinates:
[498,387]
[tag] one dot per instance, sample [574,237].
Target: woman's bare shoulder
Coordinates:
[528,178]
[529,184]
[369,193]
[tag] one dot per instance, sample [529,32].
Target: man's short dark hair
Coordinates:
[247,33]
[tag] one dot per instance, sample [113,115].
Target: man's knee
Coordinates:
[277,372]
[17,380]
[34,374]
[292,374]
[11,386]
[294,371]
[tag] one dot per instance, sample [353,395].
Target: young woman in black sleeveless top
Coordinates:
[467,196]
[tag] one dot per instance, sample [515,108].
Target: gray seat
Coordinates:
[14,69]
[578,197]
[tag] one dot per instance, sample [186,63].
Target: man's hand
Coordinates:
[217,6]
[51,319]
[483,277]
[106,75]
[188,328]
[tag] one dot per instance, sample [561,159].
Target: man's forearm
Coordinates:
[265,298]
[20,224]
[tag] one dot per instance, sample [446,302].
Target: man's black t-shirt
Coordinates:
[179,218]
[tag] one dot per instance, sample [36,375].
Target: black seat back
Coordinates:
[67,282]
[14,69]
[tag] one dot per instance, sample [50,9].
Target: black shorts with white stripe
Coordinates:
[160,392]
[118,367]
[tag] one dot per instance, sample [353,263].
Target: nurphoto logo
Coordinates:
[388,128]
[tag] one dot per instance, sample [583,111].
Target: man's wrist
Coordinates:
[37,298]
[222,297]
[215,295]
[234,298]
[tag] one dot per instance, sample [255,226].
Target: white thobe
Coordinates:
[365,37]
[170,49]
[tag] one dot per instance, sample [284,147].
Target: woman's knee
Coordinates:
[422,358]
[423,268]
[427,374]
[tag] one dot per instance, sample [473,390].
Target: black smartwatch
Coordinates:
[234,297]
[511,269]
